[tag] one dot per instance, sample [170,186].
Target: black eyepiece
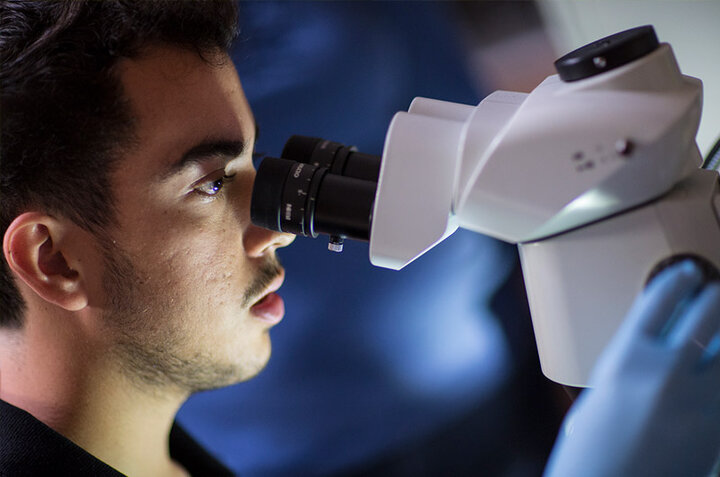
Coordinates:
[266,202]
[337,158]
[317,187]
[305,199]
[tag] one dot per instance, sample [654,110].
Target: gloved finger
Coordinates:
[709,360]
[699,321]
[657,305]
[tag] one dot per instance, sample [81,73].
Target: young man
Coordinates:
[132,277]
[131,274]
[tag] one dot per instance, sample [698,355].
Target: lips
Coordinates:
[271,307]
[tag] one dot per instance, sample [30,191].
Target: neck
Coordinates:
[66,379]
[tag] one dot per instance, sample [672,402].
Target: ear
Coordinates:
[33,248]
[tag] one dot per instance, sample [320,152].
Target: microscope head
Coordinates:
[594,174]
[617,131]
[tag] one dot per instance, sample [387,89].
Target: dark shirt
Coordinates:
[30,448]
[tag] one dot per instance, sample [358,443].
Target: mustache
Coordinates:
[266,274]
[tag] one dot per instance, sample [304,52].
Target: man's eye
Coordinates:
[213,187]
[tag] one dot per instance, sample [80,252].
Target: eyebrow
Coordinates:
[207,149]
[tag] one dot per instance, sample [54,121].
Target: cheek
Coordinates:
[203,266]
[182,252]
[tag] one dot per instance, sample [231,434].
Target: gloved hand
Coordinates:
[654,404]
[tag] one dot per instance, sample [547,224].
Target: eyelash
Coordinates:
[216,186]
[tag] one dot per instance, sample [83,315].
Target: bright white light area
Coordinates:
[591,202]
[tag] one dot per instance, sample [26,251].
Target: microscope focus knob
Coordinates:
[709,271]
[607,53]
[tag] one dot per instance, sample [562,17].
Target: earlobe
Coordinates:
[31,248]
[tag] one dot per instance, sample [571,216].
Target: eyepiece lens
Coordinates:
[339,159]
[300,148]
[266,201]
[318,187]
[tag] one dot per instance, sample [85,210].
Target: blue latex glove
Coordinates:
[654,406]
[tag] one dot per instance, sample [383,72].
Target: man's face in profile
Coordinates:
[186,274]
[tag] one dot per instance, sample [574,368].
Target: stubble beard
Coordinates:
[147,347]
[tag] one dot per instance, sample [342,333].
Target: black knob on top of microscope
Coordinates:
[607,53]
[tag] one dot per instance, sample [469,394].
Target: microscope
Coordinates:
[595,175]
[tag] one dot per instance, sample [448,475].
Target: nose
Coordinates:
[259,242]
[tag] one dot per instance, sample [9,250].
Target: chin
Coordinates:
[251,362]
[227,375]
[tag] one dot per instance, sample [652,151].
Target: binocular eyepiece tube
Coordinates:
[339,159]
[316,187]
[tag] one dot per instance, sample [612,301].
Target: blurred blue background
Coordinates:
[428,371]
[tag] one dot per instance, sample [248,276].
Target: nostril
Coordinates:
[259,241]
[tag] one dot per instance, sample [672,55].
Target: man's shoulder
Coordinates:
[193,457]
[28,447]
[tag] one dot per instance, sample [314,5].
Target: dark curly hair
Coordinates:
[63,116]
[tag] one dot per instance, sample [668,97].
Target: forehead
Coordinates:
[179,99]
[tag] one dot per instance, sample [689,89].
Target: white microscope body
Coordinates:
[597,180]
